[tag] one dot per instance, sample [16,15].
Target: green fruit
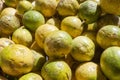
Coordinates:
[32,19]
[11,3]
[89,11]
[83,49]
[39,60]
[30,76]
[16,60]
[56,70]
[22,36]
[110,6]
[110,63]
[58,44]
[108,36]
[8,24]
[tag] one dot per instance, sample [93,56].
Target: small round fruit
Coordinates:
[8,11]
[110,63]
[11,3]
[46,7]
[89,11]
[42,32]
[22,36]
[22,8]
[32,19]
[108,35]
[39,60]
[67,7]
[5,42]
[8,24]
[110,6]
[83,49]
[89,71]
[16,60]
[30,76]
[72,25]
[58,44]
[56,70]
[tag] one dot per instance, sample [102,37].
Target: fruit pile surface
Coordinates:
[59,40]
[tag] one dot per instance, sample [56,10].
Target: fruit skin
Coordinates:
[58,44]
[22,36]
[32,19]
[67,7]
[22,8]
[110,63]
[8,24]
[39,60]
[5,42]
[89,71]
[72,25]
[30,76]
[46,7]
[110,6]
[11,3]
[108,36]
[42,32]
[89,11]
[16,60]
[8,11]
[83,49]
[56,70]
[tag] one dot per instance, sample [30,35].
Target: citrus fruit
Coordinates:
[58,44]
[8,11]
[11,3]
[8,24]
[110,6]
[56,70]
[89,11]
[22,36]
[16,60]
[89,71]
[72,25]
[83,49]
[22,8]
[42,32]
[32,19]
[30,76]
[108,19]
[5,42]
[46,7]
[108,35]
[67,7]
[110,62]
[39,60]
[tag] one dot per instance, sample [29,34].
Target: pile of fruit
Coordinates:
[59,40]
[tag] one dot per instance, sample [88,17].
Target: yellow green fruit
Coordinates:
[16,60]
[56,70]
[110,62]
[32,19]
[58,44]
